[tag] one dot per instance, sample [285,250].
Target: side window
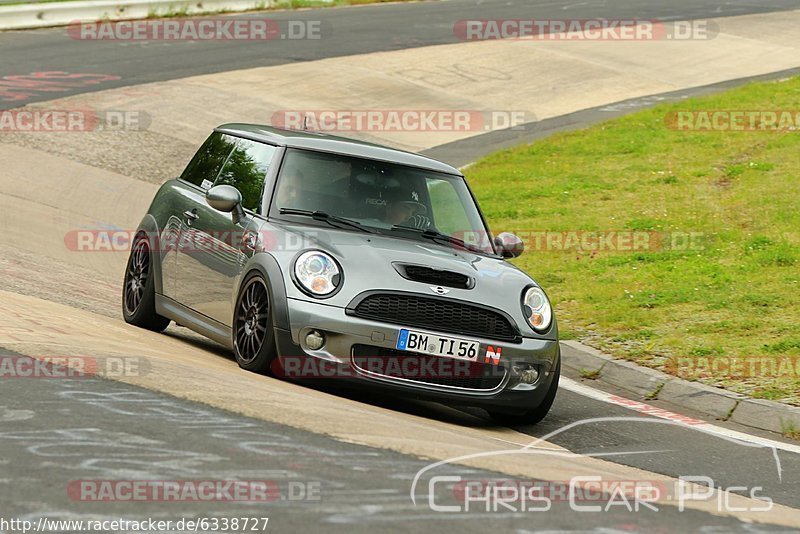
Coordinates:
[313,181]
[447,207]
[245,170]
[207,162]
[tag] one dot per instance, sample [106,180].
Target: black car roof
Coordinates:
[330,143]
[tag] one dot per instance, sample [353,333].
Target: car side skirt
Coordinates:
[192,320]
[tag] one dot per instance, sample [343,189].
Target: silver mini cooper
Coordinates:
[317,258]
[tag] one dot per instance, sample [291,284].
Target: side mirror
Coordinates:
[226,198]
[509,245]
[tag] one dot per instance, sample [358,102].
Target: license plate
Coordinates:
[436,345]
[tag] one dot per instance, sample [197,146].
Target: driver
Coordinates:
[403,208]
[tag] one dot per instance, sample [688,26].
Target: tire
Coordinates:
[138,289]
[530,417]
[252,331]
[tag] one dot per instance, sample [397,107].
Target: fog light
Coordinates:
[315,340]
[528,374]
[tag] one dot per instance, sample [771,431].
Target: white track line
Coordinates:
[648,409]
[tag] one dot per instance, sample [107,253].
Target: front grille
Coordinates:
[426,369]
[436,314]
[427,275]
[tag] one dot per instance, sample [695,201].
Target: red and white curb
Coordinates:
[648,409]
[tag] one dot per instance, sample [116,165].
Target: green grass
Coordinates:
[280,5]
[16,3]
[590,375]
[736,293]
[790,430]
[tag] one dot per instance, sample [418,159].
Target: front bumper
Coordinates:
[344,332]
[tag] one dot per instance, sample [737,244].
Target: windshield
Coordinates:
[379,195]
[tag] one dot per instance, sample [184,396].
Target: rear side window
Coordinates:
[207,162]
[246,168]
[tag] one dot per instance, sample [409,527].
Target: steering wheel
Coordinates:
[419,221]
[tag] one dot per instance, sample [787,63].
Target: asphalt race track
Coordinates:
[345,31]
[90,429]
[195,416]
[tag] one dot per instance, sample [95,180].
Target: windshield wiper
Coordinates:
[433,235]
[333,220]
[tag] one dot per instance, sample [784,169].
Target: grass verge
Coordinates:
[719,281]
[280,5]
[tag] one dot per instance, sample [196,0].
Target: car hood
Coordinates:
[367,262]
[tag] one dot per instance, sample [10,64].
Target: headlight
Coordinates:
[317,273]
[537,309]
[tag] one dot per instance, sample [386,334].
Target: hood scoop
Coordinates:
[431,275]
